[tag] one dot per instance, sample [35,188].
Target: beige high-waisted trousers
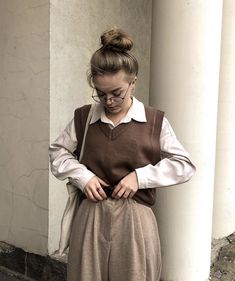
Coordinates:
[114,240]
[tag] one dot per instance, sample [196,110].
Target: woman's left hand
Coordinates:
[127,187]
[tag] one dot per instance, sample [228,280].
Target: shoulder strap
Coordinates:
[85,131]
[82,117]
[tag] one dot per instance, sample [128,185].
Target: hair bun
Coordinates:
[116,40]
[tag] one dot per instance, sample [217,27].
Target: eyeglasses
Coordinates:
[101,97]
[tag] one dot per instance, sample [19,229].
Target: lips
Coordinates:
[111,108]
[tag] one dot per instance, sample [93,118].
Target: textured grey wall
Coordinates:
[24,123]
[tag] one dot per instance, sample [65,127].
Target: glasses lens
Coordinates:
[103,99]
[115,100]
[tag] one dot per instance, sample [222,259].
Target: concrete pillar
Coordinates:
[224,194]
[184,83]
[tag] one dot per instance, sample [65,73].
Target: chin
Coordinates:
[113,110]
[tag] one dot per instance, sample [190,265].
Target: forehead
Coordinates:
[110,81]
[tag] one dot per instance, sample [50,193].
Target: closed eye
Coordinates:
[100,93]
[115,93]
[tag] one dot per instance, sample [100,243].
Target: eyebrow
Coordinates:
[116,89]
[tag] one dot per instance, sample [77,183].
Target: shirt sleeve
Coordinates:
[64,163]
[175,166]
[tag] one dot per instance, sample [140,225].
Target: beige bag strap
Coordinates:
[86,129]
[70,208]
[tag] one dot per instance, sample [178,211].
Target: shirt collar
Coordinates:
[136,112]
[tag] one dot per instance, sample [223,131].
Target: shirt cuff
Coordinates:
[142,177]
[82,181]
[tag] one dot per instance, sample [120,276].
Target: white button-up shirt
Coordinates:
[175,166]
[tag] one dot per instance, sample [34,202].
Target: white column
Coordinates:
[224,194]
[184,83]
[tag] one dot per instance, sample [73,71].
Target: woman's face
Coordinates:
[114,91]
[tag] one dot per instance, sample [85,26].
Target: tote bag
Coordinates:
[72,203]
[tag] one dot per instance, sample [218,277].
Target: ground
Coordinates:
[223,266]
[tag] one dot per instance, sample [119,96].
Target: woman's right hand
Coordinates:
[94,190]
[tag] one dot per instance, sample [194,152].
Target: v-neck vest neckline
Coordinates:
[114,133]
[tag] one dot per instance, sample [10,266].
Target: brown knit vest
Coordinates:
[111,154]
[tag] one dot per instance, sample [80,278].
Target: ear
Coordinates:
[134,81]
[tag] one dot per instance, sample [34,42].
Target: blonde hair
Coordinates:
[114,55]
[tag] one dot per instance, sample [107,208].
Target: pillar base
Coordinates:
[28,266]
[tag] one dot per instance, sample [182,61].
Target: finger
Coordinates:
[132,193]
[120,193]
[96,195]
[90,196]
[100,190]
[85,192]
[126,194]
[116,190]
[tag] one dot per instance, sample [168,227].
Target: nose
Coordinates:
[108,99]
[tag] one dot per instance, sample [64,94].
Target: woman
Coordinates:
[130,150]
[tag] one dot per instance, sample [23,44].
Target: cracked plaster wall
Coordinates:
[75,29]
[24,123]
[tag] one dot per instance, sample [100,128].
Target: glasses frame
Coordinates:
[99,99]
